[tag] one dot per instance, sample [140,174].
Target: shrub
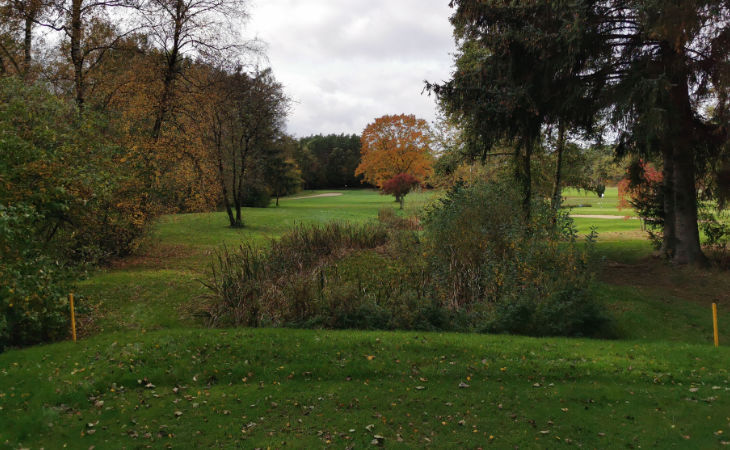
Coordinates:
[399,186]
[389,218]
[252,286]
[517,277]
[33,286]
[82,184]
[477,267]
[256,196]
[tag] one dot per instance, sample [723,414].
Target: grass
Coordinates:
[146,374]
[253,388]
[592,204]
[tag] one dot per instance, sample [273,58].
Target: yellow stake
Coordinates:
[714,323]
[73,316]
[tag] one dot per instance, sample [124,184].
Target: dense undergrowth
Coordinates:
[475,266]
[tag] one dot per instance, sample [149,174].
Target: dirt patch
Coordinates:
[329,194]
[158,256]
[699,286]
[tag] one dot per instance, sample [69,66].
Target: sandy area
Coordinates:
[329,194]
[600,216]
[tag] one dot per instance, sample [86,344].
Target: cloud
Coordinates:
[346,62]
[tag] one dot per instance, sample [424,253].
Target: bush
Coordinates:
[477,267]
[70,170]
[276,285]
[389,218]
[528,278]
[33,286]
[256,196]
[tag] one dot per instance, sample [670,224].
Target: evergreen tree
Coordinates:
[650,68]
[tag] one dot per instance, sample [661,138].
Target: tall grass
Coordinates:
[247,285]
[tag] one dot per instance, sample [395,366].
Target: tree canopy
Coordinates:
[395,144]
[656,72]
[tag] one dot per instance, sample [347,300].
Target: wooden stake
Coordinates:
[73,316]
[714,324]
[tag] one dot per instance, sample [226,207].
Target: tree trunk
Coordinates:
[28,44]
[401,201]
[669,238]
[687,248]
[277,199]
[162,107]
[76,57]
[224,188]
[557,192]
[527,180]
[681,128]
[241,184]
[170,74]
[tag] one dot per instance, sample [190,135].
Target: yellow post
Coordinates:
[73,316]
[714,323]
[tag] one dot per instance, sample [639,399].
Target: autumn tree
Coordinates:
[399,186]
[247,115]
[19,18]
[395,144]
[181,29]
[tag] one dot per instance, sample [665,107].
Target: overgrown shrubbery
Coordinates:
[477,266]
[514,276]
[69,196]
[33,285]
[253,286]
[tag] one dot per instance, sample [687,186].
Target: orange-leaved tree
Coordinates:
[395,144]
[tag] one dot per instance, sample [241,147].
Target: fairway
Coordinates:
[146,373]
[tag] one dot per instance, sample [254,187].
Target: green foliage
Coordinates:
[255,196]
[527,278]
[477,268]
[68,169]
[281,173]
[329,162]
[33,285]
[66,199]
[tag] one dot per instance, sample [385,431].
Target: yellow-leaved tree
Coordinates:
[394,145]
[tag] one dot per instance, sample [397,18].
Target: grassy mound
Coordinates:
[308,389]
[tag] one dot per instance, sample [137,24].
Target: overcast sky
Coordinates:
[346,62]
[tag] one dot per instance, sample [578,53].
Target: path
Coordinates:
[329,194]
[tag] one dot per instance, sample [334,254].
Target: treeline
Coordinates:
[329,162]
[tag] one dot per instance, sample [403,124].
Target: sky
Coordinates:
[346,62]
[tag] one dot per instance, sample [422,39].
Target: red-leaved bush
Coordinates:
[399,186]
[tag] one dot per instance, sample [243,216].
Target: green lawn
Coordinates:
[147,374]
[582,202]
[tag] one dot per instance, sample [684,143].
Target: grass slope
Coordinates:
[147,376]
[308,389]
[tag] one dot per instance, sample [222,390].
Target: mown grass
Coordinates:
[310,389]
[583,202]
[660,384]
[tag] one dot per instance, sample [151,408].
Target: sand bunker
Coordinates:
[329,194]
[600,216]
